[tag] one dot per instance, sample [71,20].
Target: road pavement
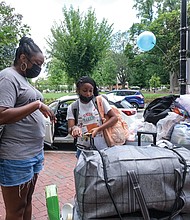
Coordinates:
[140,113]
[58,170]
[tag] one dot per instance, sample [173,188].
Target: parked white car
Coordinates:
[58,133]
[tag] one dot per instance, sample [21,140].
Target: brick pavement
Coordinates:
[58,170]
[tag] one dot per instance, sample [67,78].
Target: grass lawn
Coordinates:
[54,95]
[50,97]
[149,96]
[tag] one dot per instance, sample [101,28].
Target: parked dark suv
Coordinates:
[134,97]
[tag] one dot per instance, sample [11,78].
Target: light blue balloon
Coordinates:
[146,40]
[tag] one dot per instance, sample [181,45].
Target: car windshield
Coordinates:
[125,104]
[53,106]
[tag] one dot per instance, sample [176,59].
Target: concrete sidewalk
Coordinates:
[58,169]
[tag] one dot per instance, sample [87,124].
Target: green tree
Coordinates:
[41,84]
[145,10]
[80,42]
[163,59]
[122,68]
[105,74]
[119,43]
[56,74]
[11,30]
[168,5]
[148,10]
[168,48]
[155,82]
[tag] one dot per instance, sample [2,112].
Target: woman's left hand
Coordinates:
[94,132]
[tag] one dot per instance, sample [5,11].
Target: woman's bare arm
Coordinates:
[12,115]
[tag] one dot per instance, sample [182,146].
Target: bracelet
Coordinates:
[39,104]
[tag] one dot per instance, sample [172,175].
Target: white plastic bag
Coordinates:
[133,128]
[181,134]
[150,127]
[165,126]
[184,100]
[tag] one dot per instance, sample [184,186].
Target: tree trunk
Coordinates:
[174,84]
[123,85]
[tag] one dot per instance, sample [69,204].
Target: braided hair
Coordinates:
[87,79]
[27,47]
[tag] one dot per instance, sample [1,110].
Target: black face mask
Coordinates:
[85,99]
[33,72]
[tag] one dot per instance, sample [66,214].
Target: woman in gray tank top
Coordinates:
[21,145]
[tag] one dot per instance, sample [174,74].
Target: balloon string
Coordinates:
[164,55]
[160,49]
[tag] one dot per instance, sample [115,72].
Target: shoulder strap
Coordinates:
[75,110]
[139,194]
[100,106]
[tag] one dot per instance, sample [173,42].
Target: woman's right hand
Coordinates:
[46,111]
[76,132]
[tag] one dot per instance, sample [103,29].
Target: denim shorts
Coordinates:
[17,172]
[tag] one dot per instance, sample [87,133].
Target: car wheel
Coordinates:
[135,105]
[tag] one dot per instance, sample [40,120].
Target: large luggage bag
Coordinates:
[105,188]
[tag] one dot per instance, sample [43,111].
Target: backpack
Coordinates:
[116,134]
[158,108]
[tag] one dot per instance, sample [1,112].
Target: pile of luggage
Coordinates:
[169,116]
[131,182]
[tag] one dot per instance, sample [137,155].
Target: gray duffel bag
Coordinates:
[124,180]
